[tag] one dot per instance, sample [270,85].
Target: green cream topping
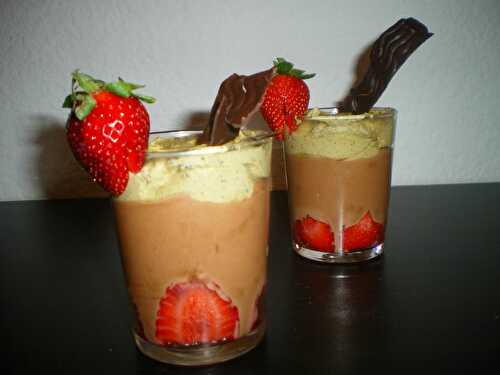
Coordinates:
[206,173]
[342,136]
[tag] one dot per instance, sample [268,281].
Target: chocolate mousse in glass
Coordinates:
[193,232]
[338,161]
[338,168]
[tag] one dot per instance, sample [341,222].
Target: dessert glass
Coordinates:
[338,169]
[193,231]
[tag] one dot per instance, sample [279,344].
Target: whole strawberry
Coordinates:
[286,98]
[107,129]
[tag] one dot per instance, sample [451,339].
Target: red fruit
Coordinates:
[107,130]
[286,98]
[364,234]
[191,313]
[314,234]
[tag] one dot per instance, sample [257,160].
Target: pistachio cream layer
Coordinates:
[217,174]
[342,136]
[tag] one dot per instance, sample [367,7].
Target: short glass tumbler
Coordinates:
[338,170]
[193,231]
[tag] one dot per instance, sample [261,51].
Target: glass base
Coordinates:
[201,355]
[339,257]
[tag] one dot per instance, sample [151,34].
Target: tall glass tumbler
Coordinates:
[193,231]
[338,170]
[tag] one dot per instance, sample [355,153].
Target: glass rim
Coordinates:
[382,112]
[249,142]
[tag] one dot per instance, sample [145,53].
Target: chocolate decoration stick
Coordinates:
[387,55]
[239,97]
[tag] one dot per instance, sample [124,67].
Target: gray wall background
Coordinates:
[447,93]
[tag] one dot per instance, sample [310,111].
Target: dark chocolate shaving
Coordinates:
[387,55]
[239,97]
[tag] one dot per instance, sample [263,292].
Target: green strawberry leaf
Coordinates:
[123,88]
[86,82]
[82,102]
[130,85]
[296,73]
[286,68]
[86,104]
[145,98]
[307,76]
[68,102]
[119,88]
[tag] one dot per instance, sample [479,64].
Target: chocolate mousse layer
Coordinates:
[339,192]
[180,239]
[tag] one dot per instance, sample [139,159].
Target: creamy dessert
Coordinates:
[193,231]
[338,174]
[338,163]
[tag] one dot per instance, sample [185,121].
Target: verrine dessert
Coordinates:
[338,162]
[192,214]
[193,231]
[338,175]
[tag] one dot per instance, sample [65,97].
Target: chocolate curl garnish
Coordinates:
[387,55]
[239,97]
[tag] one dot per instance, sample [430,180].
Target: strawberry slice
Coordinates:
[191,313]
[314,234]
[364,234]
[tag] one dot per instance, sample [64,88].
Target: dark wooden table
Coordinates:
[431,304]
